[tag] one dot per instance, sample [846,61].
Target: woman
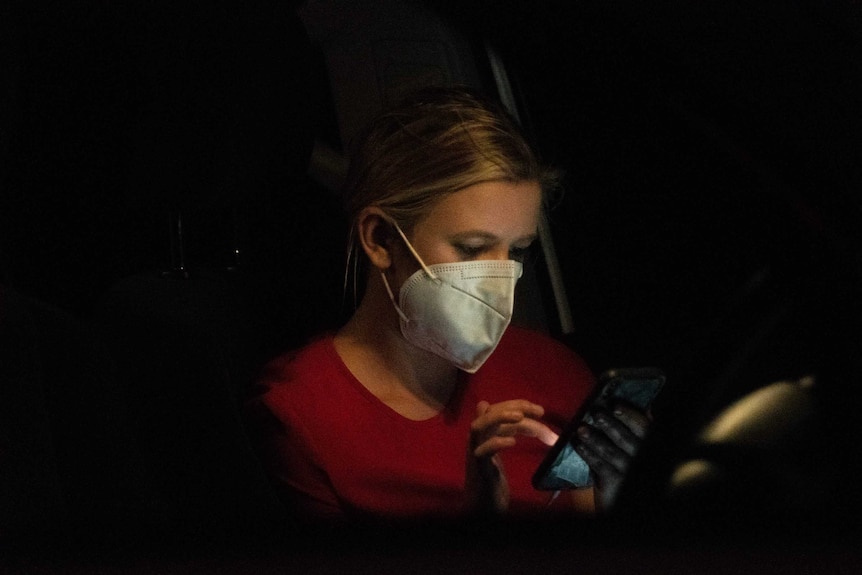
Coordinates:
[424,403]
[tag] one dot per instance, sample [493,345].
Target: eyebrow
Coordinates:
[489,236]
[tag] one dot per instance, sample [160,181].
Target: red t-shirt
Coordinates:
[336,449]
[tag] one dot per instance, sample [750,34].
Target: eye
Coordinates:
[519,253]
[469,252]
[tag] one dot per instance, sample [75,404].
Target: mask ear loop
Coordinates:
[401,313]
[413,251]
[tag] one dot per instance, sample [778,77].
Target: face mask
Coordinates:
[457,311]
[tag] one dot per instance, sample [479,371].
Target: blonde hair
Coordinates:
[436,142]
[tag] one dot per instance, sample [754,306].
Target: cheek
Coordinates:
[444,254]
[432,250]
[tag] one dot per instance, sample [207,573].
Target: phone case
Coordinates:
[562,467]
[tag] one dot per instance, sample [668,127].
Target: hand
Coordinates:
[608,447]
[495,429]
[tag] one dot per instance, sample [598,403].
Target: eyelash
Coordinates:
[470,252]
[519,254]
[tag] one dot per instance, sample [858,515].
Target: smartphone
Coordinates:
[562,467]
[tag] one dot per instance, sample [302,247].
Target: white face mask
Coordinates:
[457,311]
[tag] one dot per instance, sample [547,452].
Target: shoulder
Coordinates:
[298,397]
[300,377]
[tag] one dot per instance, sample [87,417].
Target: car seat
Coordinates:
[64,449]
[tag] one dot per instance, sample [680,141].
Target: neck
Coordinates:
[414,382]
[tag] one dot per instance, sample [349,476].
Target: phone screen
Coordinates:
[563,468]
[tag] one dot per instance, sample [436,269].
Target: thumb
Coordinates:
[482,407]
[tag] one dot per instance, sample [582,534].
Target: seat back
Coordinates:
[30,490]
[63,421]
[186,348]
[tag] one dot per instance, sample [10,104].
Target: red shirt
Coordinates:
[337,449]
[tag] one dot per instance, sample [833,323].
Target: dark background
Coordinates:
[713,172]
[708,223]
[703,144]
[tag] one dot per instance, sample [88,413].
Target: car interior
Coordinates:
[170,220]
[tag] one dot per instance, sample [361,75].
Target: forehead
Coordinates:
[502,208]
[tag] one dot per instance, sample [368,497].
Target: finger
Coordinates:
[488,424]
[617,432]
[606,472]
[608,478]
[529,428]
[537,429]
[505,412]
[493,445]
[506,419]
[528,408]
[482,408]
[637,421]
[505,436]
[491,419]
[603,447]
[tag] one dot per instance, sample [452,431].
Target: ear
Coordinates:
[375,236]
